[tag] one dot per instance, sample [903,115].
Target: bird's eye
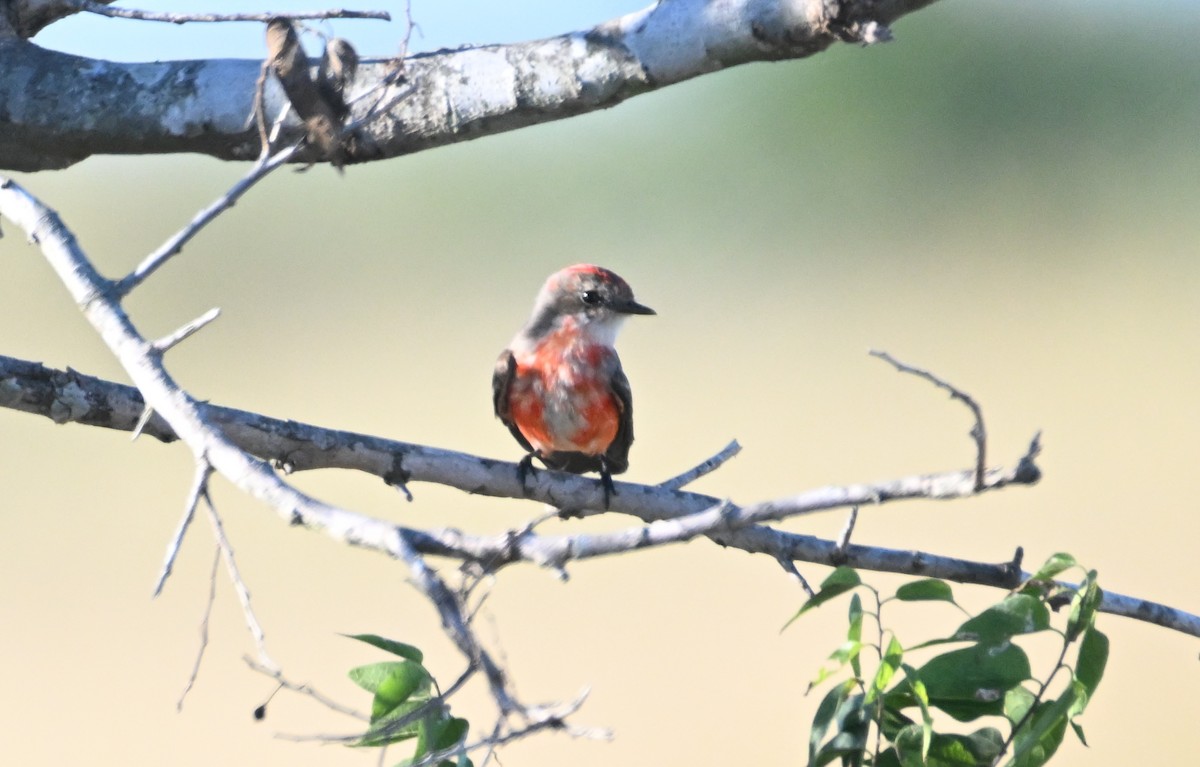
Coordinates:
[590,297]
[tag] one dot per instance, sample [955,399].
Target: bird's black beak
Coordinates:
[633,307]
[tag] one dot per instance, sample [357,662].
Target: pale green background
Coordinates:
[1009,195]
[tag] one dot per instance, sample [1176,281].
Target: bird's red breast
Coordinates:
[561,396]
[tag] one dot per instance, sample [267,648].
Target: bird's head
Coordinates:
[594,298]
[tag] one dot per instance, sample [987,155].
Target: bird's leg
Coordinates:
[606,480]
[525,469]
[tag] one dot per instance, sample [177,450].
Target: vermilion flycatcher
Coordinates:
[559,386]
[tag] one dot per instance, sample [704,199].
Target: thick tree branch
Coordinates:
[68,396]
[62,108]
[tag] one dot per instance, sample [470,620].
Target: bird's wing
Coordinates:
[502,377]
[617,454]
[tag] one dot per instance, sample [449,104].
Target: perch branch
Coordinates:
[70,396]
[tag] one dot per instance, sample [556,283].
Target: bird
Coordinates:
[559,386]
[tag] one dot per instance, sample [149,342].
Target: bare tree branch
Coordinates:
[978,432]
[198,491]
[183,18]
[303,689]
[66,396]
[707,466]
[208,605]
[239,584]
[206,106]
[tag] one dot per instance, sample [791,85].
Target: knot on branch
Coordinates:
[398,477]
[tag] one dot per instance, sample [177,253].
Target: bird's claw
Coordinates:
[525,469]
[607,481]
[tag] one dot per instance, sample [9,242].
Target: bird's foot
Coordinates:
[525,469]
[607,482]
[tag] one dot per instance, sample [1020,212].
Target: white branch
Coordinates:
[95,297]
[199,490]
[206,106]
[33,388]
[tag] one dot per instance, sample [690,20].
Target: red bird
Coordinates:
[559,386]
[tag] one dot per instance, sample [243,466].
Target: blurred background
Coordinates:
[1008,195]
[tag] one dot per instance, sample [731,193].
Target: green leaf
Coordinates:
[371,676]
[1053,566]
[451,732]
[1083,607]
[1093,657]
[854,633]
[824,718]
[909,744]
[1079,733]
[840,581]
[395,648]
[894,703]
[1037,741]
[1017,703]
[927,590]
[979,748]
[921,695]
[944,750]
[888,759]
[1017,614]
[441,733]
[972,681]
[887,669]
[851,741]
[387,729]
[846,652]
[392,682]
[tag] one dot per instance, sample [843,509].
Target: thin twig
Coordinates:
[410,27]
[175,244]
[208,605]
[790,568]
[239,585]
[199,488]
[182,334]
[392,726]
[978,433]
[843,539]
[304,689]
[553,718]
[704,467]
[185,18]
[143,419]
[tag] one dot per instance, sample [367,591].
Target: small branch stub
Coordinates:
[978,432]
